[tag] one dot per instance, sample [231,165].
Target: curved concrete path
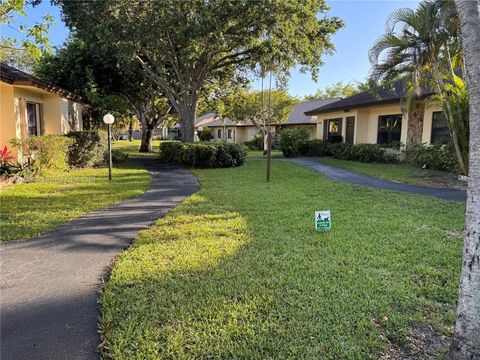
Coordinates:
[49,284]
[339,174]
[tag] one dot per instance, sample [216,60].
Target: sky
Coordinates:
[364,23]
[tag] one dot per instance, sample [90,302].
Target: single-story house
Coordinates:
[381,118]
[241,132]
[31,107]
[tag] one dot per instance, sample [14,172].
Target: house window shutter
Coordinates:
[22,112]
[41,120]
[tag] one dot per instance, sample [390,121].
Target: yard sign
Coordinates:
[323,220]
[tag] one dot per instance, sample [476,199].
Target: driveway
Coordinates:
[49,284]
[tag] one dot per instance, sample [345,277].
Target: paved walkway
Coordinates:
[339,174]
[49,284]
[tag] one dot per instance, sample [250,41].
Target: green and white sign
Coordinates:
[323,221]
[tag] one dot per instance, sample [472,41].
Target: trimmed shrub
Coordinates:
[292,141]
[315,148]
[362,153]
[45,152]
[435,157]
[118,156]
[203,155]
[256,143]
[88,149]
[367,153]
[341,151]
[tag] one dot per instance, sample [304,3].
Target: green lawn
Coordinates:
[252,154]
[132,147]
[398,172]
[30,209]
[237,271]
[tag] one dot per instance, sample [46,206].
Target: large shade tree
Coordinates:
[108,85]
[466,339]
[184,44]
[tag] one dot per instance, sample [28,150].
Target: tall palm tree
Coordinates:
[422,48]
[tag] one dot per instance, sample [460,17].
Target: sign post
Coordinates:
[323,221]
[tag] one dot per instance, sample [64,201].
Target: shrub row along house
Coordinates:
[31,107]
[364,118]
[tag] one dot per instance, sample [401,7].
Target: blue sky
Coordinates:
[364,23]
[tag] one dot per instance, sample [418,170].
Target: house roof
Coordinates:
[367,98]
[298,114]
[13,76]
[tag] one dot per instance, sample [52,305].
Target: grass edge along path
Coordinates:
[401,173]
[30,209]
[237,271]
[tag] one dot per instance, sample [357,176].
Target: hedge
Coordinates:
[203,155]
[88,149]
[45,152]
[292,140]
[435,157]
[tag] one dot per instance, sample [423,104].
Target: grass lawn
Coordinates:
[30,209]
[237,271]
[399,173]
[252,154]
[132,147]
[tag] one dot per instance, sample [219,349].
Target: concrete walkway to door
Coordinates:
[49,284]
[339,174]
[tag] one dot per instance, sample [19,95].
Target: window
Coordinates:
[33,119]
[72,116]
[440,131]
[229,133]
[389,128]
[335,127]
[219,133]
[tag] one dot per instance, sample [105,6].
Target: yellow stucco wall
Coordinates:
[366,122]
[8,126]
[55,110]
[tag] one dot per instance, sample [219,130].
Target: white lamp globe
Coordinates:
[108,119]
[200,128]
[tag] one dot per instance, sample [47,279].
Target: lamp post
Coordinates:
[199,132]
[109,119]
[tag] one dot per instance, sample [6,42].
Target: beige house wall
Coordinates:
[54,111]
[215,129]
[8,125]
[366,122]
[427,121]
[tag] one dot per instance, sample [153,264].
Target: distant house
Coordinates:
[381,119]
[241,132]
[30,107]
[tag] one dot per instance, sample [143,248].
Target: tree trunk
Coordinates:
[130,132]
[415,124]
[146,145]
[187,120]
[466,338]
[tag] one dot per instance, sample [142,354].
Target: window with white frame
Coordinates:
[440,131]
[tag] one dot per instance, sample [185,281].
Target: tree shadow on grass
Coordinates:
[216,280]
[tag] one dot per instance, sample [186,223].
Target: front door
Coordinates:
[350,132]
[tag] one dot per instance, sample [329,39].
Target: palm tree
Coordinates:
[422,48]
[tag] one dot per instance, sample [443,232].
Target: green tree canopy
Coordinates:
[184,45]
[339,89]
[32,41]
